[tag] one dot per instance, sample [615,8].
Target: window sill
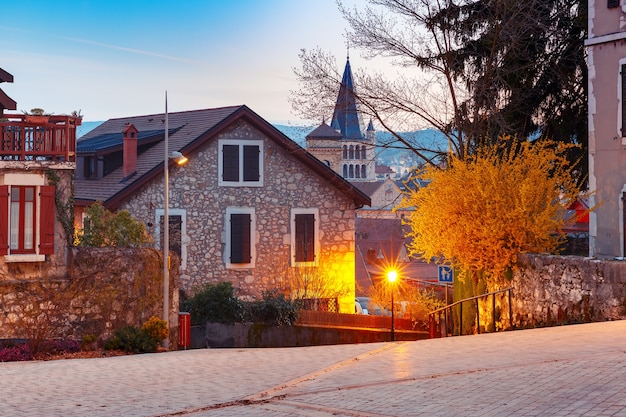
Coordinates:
[24,258]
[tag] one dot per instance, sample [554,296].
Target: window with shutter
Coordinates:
[239,249]
[22,219]
[304,237]
[4,219]
[230,155]
[46,220]
[240,238]
[241,163]
[622,98]
[612,3]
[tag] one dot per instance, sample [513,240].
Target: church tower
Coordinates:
[344,145]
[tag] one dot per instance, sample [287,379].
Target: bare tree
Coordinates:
[472,69]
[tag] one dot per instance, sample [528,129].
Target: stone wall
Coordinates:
[552,290]
[105,289]
[287,184]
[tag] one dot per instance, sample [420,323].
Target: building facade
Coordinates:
[250,207]
[606,47]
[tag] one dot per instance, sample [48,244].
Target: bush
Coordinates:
[214,304]
[131,339]
[156,329]
[274,310]
[19,352]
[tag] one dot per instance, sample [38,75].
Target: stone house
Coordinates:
[250,206]
[606,49]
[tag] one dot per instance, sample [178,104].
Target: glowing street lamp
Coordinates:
[392,276]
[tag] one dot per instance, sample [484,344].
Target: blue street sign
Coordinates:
[446,274]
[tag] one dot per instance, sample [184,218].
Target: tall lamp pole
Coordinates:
[180,159]
[392,276]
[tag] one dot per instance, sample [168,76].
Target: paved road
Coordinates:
[577,370]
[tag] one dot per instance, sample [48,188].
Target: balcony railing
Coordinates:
[38,138]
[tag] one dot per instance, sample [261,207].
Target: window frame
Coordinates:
[228,242]
[44,219]
[316,236]
[173,212]
[241,145]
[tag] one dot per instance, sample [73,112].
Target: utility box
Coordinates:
[184,330]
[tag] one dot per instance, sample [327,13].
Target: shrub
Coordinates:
[274,310]
[214,304]
[19,352]
[156,328]
[131,339]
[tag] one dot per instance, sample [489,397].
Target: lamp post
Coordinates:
[180,159]
[392,276]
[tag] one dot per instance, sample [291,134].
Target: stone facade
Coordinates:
[103,290]
[201,203]
[567,289]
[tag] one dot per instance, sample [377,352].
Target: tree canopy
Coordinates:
[104,228]
[485,209]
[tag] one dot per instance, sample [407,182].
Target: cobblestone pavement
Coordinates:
[577,370]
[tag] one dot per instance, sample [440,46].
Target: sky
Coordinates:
[117,58]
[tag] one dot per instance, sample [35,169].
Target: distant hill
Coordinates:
[86,127]
[388,155]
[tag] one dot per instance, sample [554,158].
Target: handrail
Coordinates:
[435,325]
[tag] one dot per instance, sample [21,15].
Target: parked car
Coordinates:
[371,307]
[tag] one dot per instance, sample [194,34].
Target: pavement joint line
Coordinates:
[269,393]
[267,396]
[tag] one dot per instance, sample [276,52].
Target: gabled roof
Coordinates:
[346,115]
[192,129]
[324,131]
[108,141]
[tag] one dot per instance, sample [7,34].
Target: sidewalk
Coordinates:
[577,370]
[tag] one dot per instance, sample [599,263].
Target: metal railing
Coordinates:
[440,320]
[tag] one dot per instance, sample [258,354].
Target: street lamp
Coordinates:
[392,276]
[180,159]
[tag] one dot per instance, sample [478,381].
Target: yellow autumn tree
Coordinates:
[482,211]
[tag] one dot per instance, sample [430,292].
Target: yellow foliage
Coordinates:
[484,210]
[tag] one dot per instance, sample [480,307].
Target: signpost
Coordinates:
[446,276]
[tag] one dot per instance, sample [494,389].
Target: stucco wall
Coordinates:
[568,289]
[288,184]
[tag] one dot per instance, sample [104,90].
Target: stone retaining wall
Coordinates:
[552,290]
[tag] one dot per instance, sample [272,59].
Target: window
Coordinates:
[363,171]
[345,171]
[240,231]
[27,220]
[612,3]
[363,152]
[622,97]
[351,151]
[90,167]
[345,152]
[357,151]
[178,232]
[240,163]
[304,237]
[357,171]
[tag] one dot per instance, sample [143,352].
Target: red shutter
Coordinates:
[46,220]
[4,219]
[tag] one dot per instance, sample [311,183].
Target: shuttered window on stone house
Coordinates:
[305,237]
[241,163]
[240,242]
[27,213]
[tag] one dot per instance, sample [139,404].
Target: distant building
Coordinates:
[345,146]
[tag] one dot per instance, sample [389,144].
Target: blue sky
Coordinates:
[117,58]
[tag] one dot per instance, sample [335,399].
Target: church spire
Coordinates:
[346,116]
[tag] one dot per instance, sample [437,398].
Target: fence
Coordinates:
[440,320]
[327,319]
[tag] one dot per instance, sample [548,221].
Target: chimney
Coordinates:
[130,150]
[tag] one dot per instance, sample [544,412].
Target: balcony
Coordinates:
[38,138]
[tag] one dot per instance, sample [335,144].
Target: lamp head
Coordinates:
[392,275]
[179,158]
